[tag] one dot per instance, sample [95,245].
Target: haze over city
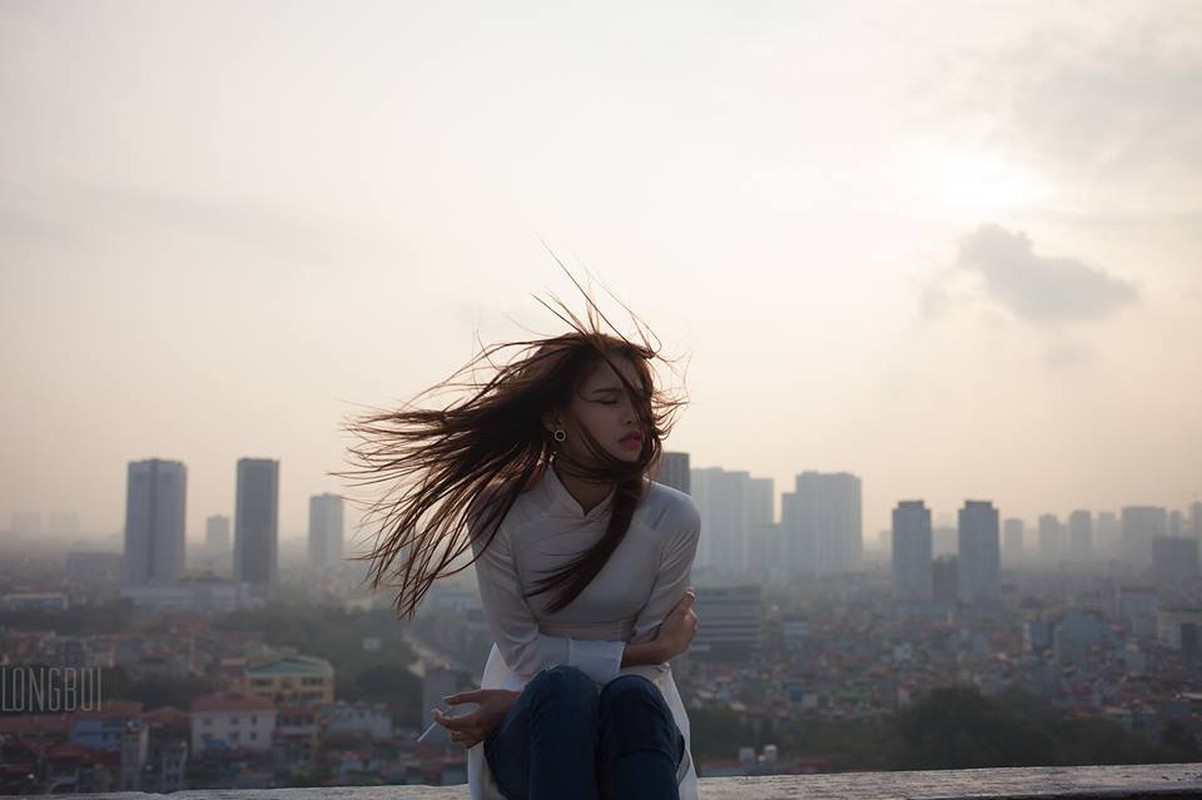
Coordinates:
[950,248]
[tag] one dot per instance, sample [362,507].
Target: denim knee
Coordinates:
[564,685]
[633,713]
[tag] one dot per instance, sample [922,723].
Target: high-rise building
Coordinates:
[217,534]
[760,501]
[1108,538]
[672,469]
[325,530]
[1174,558]
[980,559]
[1142,524]
[1051,538]
[733,623]
[912,551]
[762,551]
[155,503]
[1195,518]
[722,502]
[821,522]
[256,523]
[1012,539]
[1080,535]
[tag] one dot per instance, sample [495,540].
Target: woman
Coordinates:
[583,564]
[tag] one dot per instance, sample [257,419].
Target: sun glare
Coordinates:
[970,184]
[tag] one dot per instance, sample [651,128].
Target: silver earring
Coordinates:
[560,434]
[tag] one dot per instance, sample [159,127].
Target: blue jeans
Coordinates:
[560,739]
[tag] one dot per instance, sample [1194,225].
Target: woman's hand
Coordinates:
[471,729]
[678,628]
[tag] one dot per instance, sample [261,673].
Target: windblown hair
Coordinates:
[453,474]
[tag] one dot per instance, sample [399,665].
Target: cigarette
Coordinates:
[427,731]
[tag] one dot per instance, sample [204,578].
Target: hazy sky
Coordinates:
[951,247]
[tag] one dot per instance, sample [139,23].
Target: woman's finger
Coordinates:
[463,697]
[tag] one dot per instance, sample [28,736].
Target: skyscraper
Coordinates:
[980,561]
[722,502]
[325,530]
[1080,535]
[1174,558]
[821,522]
[1012,539]
[1051,538]
[672,469]
[155,501]
[912,551]
[1142,524]
[256,523]
[1108,537]
[761,552]
[217,534]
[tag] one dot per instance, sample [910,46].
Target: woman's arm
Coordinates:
[525,649]
[672,637]
[649,644]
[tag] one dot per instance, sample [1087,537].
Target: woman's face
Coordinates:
[605,409]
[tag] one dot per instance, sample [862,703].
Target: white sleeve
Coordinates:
[675,573]
[515,629]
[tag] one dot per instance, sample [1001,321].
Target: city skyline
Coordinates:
[913,243]
[757,506]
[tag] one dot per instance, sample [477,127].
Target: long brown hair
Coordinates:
[453,474]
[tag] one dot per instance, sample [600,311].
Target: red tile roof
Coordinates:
[229,702]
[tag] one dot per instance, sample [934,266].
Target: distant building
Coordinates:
[103,728]
[85,566]
[1138,607]
[980,553]
[1108,538]
[1181,629]
[1012,540]
[371,721]
[1195,517]
[1174,559]
[722,501]
[944,540]
[762,552]
[1142,524]
[256,523]
[1080,535]
[1051,538]
[325,530]
[229,720]
[912,552]
[292,681]
[733,624]
[945,579]
[217,534]
[821,525]
[155,503]
[34,601]
[672,469]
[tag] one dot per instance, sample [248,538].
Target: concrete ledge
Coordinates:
[1134,781]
